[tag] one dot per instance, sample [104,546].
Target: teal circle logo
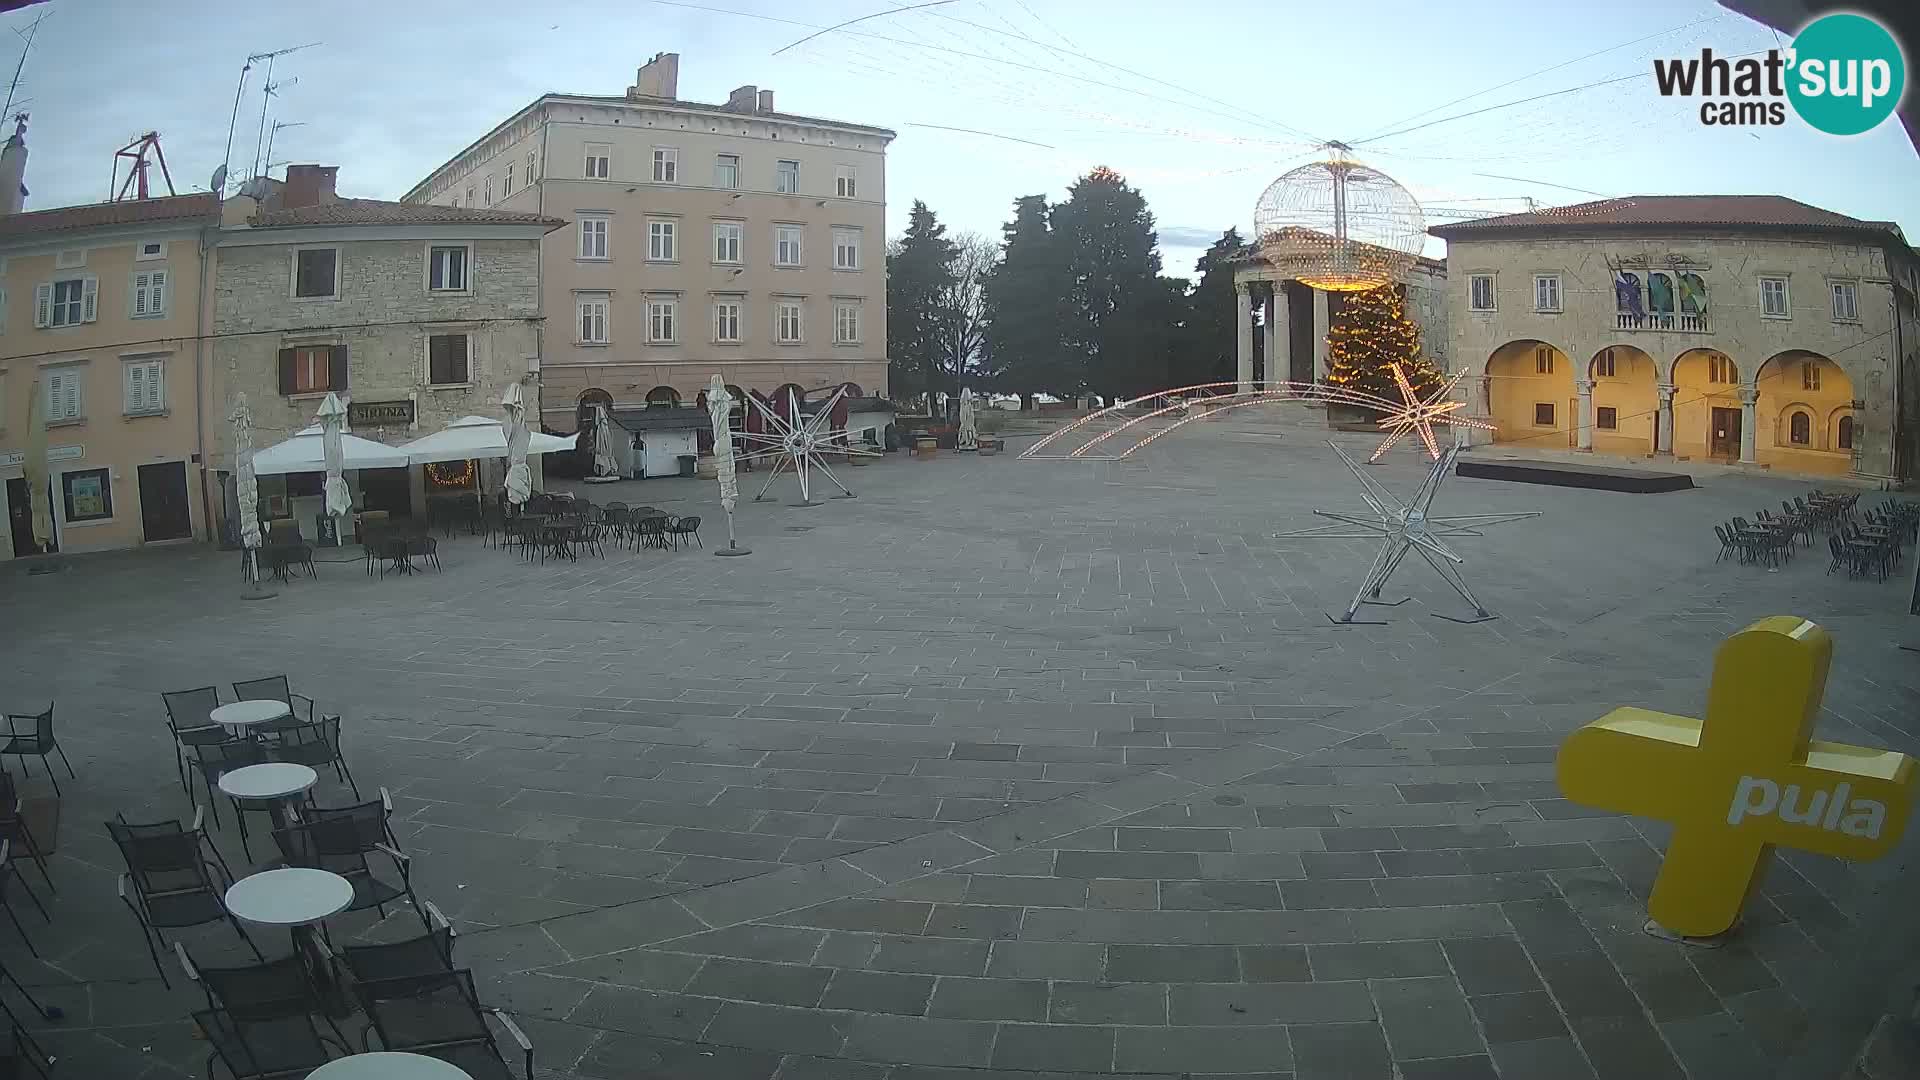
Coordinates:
[1845,74]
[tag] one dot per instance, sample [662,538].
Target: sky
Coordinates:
[1201,106]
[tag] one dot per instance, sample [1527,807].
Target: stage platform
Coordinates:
[1568,474]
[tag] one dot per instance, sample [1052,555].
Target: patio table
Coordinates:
[389,1066]
[238,716]
[297,898]
[279,783]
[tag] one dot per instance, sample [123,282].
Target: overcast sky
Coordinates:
[1201,105]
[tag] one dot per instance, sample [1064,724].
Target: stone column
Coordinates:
[1321,323]
[1278,339]
[1585,417]
[1243,313]
[1749,420]
[1663,420]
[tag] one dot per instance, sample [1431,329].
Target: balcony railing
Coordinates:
[1661,321]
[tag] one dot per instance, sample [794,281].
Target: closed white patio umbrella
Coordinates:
[333,424]
[246,491]
[519,482]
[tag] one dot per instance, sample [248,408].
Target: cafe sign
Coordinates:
[380,413]
[10,458]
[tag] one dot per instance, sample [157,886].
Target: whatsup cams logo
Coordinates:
[1843,75]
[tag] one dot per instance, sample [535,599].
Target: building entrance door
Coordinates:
[164,513]
[1723,433]
[20,519]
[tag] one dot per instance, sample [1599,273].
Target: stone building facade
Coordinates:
[1283,322]
[414,315]
[1746,329]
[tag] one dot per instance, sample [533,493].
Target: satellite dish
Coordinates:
[219,182]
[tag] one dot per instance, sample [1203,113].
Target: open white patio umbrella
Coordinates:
[720,412]
[33,469]
[969,437]
[519,483]
[246,487]
[478,438]
[306,452]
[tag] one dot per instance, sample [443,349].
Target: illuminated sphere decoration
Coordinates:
[1340,226]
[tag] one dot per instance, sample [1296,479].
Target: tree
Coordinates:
[1370,334]
[963,310]
[919,270]
[1208,347]
[1111,260]
[1024,299]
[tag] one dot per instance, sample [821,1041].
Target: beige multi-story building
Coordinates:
[703,238]
[1744,328]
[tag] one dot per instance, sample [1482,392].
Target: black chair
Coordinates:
[215,759]
[651,531]
[187,712]
[7,876]
[1728,545]
[22,1058]
[300,707]
[428,954]
[281,1048]
[314,745]
[269,990]
[439,1015]
[340,841]
[39,742]
[682,528]
[174,885]
[13,826]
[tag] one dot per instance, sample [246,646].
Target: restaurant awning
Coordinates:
[305,452]
[476,437]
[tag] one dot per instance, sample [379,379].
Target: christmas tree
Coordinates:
[1369,335]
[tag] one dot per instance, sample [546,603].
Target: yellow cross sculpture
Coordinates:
[1744,779]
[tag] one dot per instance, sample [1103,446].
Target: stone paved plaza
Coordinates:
[1005,769]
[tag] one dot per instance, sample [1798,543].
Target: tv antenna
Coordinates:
[275,130]
[266,98]
[14,86]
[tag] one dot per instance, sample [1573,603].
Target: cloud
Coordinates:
[1188,236]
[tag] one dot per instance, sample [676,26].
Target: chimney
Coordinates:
[660,78]
[743,99]
[766,101]
[13,169]
[308,185]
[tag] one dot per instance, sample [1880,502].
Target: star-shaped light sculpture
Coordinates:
[1419,414]
[798,443]
[1402,528]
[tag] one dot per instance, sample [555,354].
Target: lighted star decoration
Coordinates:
[797,444]
[1419,415]
[1402,528]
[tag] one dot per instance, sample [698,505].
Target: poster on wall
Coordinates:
[89,500]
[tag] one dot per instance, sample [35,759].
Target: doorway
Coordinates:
[20,519]
[1723,433]
[164,512]
[387,489]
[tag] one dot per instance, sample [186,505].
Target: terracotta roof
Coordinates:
[133,212]
[381,212]
[1737,211]
[701,106]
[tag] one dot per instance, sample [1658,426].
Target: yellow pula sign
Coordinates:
[1742,780]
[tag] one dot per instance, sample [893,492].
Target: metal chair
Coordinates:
[427,954]
[268,990]
[187,712]
[215,759]
[339,841]
[13,826]
[174,886]
[7,875]
[281,1048]
[276,688]
[440,1015]
[313,745]
[38,742]
[682,528]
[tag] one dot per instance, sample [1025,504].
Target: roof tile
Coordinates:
[381,212]
[1748,211]
[107,215]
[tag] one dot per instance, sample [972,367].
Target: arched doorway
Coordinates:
[1625,406]
[1803,397]
[1530,394]
[663,397]
[1706,405]
[789,401]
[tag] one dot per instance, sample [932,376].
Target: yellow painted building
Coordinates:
[1748,329]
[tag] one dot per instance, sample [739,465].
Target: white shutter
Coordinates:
[139,296]
[157,292]
[136,393]
[89,299]
[42,304]
[70,400]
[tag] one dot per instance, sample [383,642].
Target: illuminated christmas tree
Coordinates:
[1369,335]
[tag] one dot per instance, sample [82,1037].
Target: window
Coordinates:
[456,201]
[593,319]
[1480,292]
[88,495]
[593,238]
[660,241]
[146,386]
[726,171]
[726,320]
[786,245]
[470,199]
[65,303]
[506,185]
[1603,364]
[489,190]
[1846,306]
[532,175]
[662,315]
[65,401]
[599,161]
[1546,292]
[726,241]
[1800,429]
[786,322]
[786,177]
[316,273]
[1843,434]
[1809,376]
[1543,360]
[666,165]
[846,249]
[1543,414]
[149,294]
[1773,298]
[447,360]
[846,323]
[845,181]
[447,268]
[152,249]
[313,369]
[1720,369]
[1606,418]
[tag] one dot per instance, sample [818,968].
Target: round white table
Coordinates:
[281,782]
[296,896]
[388,1066]
[241,715]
